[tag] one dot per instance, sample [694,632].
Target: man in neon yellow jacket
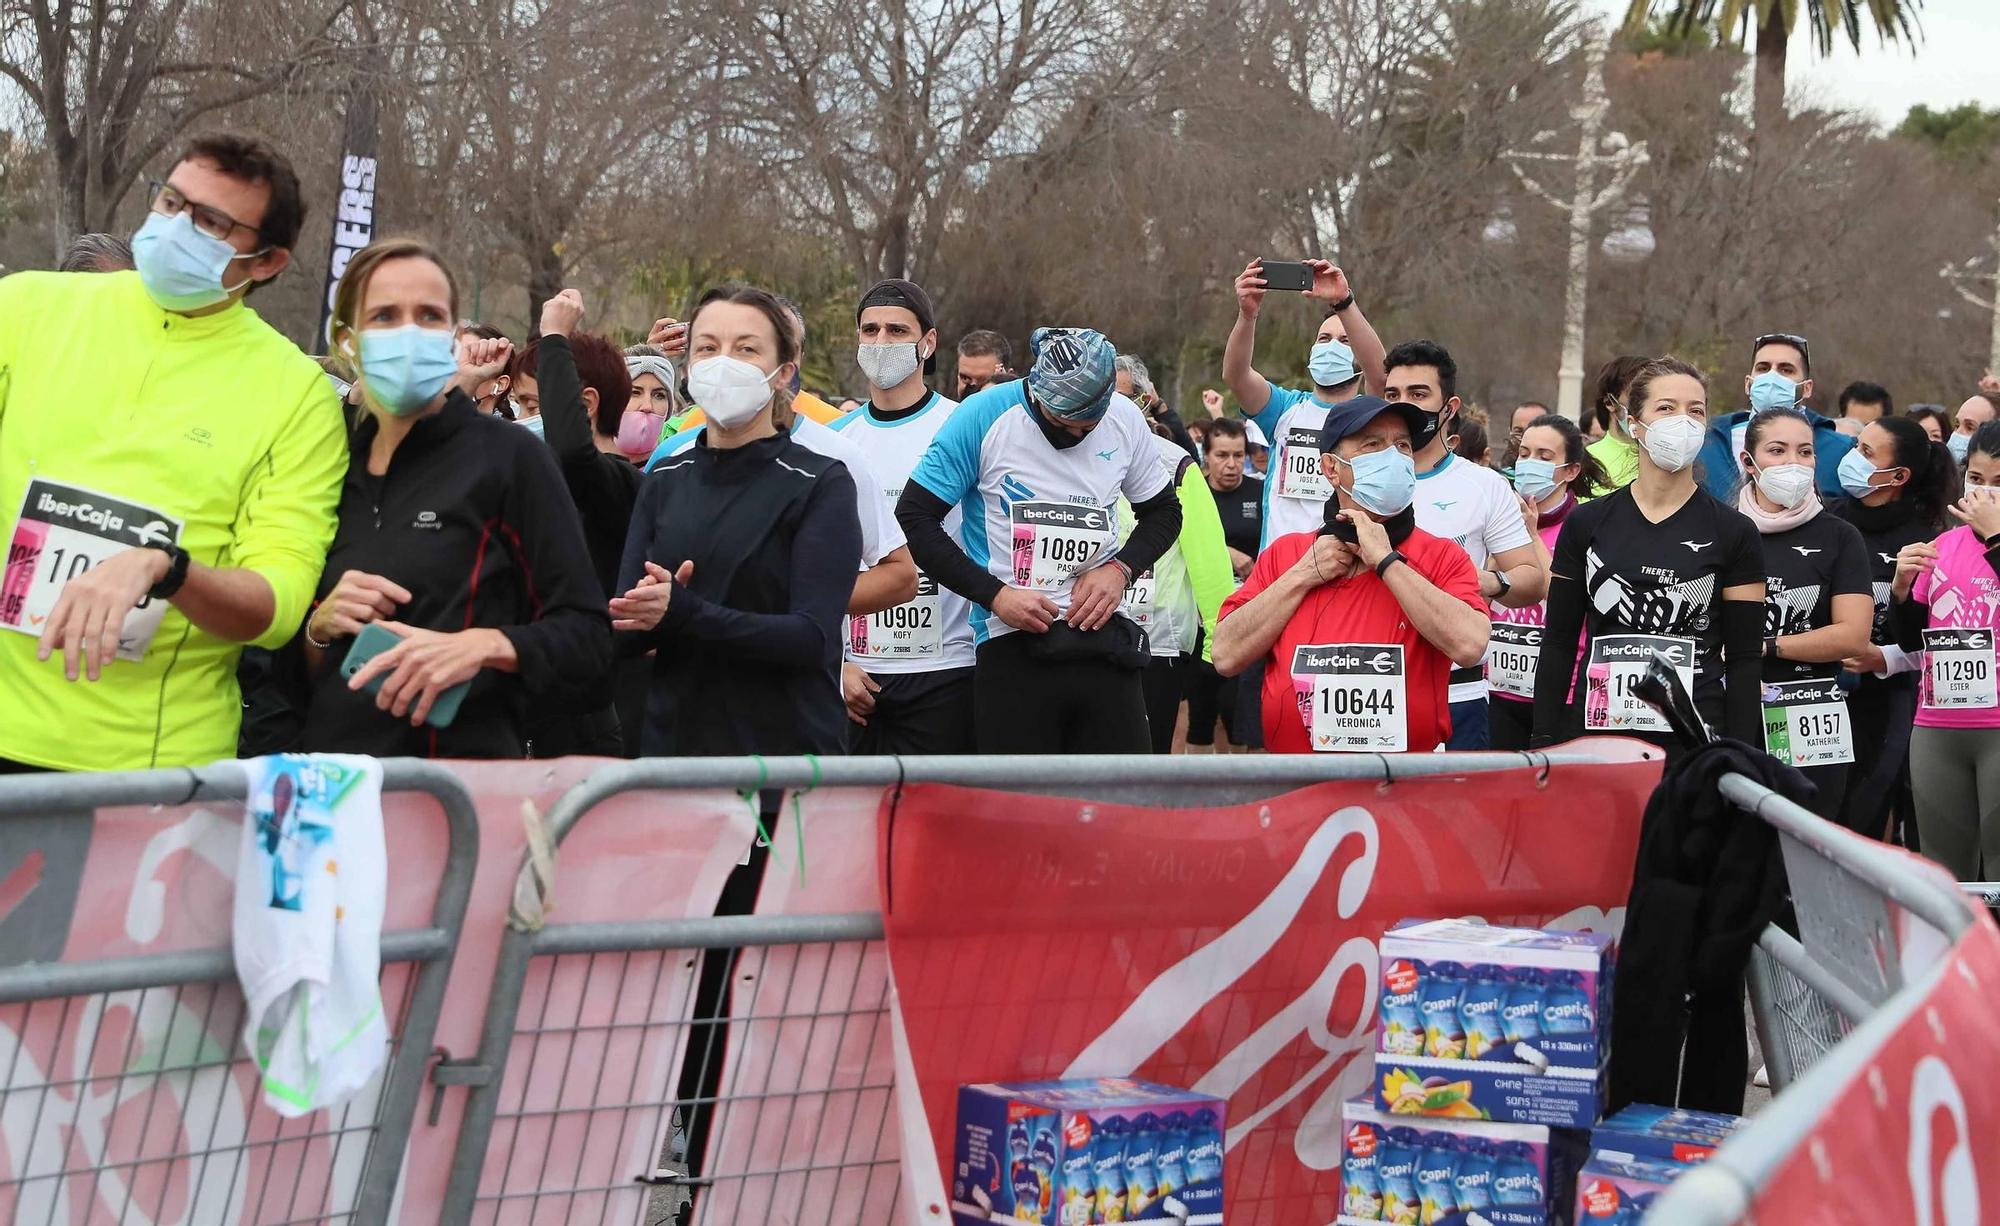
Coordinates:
[169,469]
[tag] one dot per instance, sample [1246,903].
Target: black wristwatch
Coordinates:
[177,569]
[1394,556]
[1506,584]
[1342,305]
[1771,648]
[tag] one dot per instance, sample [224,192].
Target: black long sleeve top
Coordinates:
[474,520]
[747,657]
[604,485]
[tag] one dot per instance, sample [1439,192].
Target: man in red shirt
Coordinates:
[1359,625]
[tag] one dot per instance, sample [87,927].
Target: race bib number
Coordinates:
[1958,670]
[1353,697]
[1139,600]
[1511,658]
[1299,474]
[1806,724]
[1055,541]
[912,630]
[1617,661]
[62,532]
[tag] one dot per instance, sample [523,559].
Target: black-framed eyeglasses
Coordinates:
[1783,338]
[166,200]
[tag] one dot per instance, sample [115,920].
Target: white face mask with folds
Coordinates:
[1672,442]
[729,390]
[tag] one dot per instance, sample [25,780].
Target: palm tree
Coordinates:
[1774,21]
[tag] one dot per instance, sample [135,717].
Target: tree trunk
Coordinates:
[1769,90]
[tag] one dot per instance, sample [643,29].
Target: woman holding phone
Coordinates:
[458,588]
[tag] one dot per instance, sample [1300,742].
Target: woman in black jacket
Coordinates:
[741,557]
[455,533]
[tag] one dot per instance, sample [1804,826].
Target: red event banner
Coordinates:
[1230,950]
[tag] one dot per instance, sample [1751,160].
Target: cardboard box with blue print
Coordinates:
[1073,1153]
[1482,1022]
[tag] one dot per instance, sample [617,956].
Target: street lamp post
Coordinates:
[1964,276]
[1595,150]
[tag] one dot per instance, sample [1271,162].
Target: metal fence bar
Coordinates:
[430,949]
[1720,1191]
[485,1073]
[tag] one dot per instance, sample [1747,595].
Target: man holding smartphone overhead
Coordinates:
[1345,352]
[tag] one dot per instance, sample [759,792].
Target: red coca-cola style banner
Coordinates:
[1910,1137]
[1229,950]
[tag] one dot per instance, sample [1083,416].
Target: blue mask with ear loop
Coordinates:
[405,368]
[1385,482]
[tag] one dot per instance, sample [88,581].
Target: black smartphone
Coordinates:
[1287,274]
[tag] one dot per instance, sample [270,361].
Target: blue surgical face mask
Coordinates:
[1856,472]
[1331,363]
[404,369]
[1772,390]
[1960,445]
[1535,479]
[532,425]
[180,266]
[1384,481]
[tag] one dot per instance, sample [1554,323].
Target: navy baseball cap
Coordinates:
[1349,416]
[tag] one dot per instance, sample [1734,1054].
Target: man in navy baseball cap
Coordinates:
[1359,625]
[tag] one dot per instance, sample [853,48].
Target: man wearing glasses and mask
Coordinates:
[169,469]
[1780,377]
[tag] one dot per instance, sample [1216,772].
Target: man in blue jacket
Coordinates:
[1780,378]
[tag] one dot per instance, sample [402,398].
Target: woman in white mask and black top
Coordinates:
[742,555]
[1899,481]
[1819,603]
[1662,566]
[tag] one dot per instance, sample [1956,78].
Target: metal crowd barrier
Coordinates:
[812,974]
[328,1166]
[1823,1002]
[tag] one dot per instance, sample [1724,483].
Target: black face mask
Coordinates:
[1434,423]
[1399,526]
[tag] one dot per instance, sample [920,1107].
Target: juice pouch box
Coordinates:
[1414,1171]
[1480,1022]
[1667,1134]
[1111,1149]
[1619,1189]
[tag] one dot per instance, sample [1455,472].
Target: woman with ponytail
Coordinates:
[1818,604]
[1553,472]
[743,551]
[1899,482]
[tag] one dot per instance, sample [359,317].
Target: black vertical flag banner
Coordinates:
[354,218]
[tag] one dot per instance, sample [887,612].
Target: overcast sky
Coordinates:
[1956,60]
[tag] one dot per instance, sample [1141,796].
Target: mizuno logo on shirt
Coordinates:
[1807,553]
[1697,547]
[1888,559]
[1106,455]
[1445,506]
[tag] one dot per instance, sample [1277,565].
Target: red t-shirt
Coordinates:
[1361,610]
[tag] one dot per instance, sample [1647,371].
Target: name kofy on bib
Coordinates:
[1353,696]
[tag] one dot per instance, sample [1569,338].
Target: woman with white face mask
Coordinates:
[1819,604]
[455,534]
[742,554]
[1659,565]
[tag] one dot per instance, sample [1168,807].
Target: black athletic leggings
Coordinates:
[1025,705]
[1166,682]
